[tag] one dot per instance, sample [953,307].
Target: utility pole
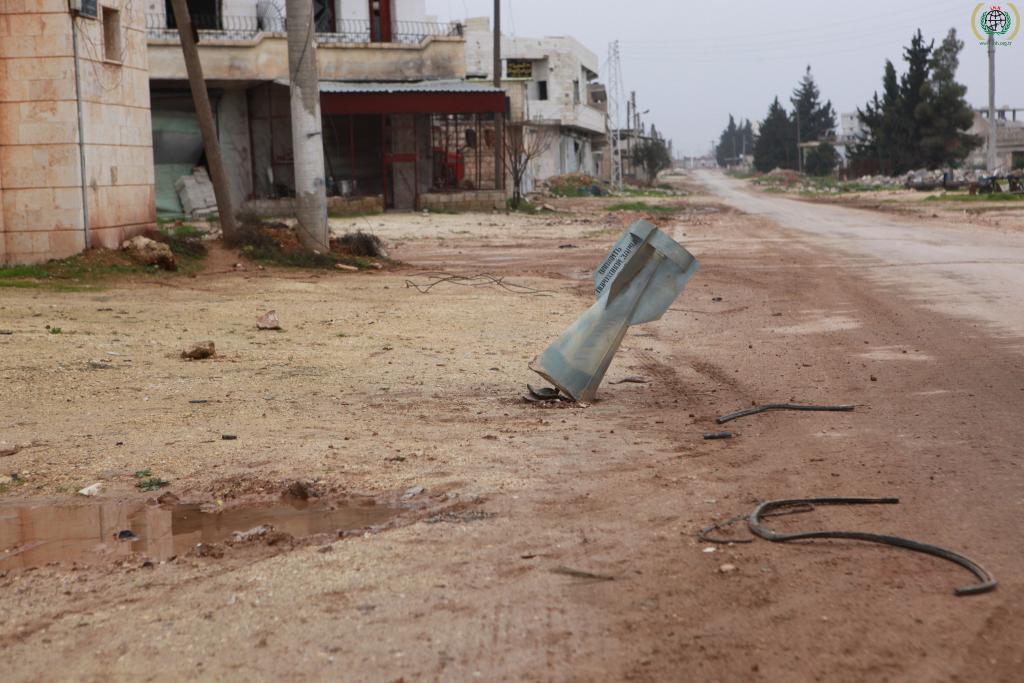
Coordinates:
[307,126]
[499,120]
[204,112]
[992,138]
[615,97]
[799,152]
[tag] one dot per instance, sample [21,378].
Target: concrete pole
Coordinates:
[204,112]
[307,127]
[499,120]
[992,140]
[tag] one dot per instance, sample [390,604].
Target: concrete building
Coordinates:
[1009,139]
[550,83]
[76,163]
[402,129]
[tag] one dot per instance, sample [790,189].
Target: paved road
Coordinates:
[963,270]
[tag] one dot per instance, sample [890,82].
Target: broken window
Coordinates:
[542,90]
[112,47]
[205,14]
[380,21]
[323,16]
[518,68]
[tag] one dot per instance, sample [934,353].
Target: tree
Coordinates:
[523,145]
[775,146]
[817,121]
[821,160]
[725,152]
[922,117]
[734,142]
[943,114]
[652,155]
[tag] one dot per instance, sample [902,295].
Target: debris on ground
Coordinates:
[91,490]
[630,380]
[579,574]
[299,490]
[567,246]
[715,436]
[200,351]
[728,569]
[195,192]
[268,321]
[845,408]
[251,534]
[481,280]
[359,243]
[986,582]
[413,492]
[345,267]
[150,252]
[645,271]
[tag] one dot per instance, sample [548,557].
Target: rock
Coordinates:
[728,568]
[298,490]
[200,351]
[150,252]
[345,267]
[255,532]
[168,499]
[92,490]
[268,321]
[413,492]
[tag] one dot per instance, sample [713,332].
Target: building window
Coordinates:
[519,68]
[205,14]
[575,92]
[112,47]
[542,90]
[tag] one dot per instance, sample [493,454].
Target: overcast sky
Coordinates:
[694,63]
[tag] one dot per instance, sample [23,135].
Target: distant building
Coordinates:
[402,128]
[550,82]
[76,155]
[1009,139]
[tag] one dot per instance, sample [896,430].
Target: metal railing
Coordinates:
[160,26]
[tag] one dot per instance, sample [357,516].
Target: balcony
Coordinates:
[160,27]
[255,49]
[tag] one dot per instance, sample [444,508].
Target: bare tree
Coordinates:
[523,145]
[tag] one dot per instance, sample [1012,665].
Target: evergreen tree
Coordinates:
[943,115]
[821,160]
[725,152]
[817,121]
[922,118]
[776,142]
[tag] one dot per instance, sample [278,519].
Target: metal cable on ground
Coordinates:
[784,406]
[481,280]
[986,580]
[704,534]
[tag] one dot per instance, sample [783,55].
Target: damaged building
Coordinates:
[76,164]
[551,84]
[402,127]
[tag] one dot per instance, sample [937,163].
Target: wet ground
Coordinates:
[552,543]
[38,533]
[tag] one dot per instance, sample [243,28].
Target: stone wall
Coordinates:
[40,171]
[336,206]
[483,200]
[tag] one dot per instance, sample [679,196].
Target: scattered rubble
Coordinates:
[196,193]
[200,351]
[91,490]
[150,252]
[268,321]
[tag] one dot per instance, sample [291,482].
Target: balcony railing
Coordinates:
[159,26]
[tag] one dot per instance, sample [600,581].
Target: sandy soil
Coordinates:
[374,387]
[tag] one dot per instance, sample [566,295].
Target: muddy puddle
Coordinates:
[33,534]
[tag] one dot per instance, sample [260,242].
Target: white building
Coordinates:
[1009,139]
[550,82]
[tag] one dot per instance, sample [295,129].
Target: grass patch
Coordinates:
[83,272]
[524,207]
[648,192]
[644,207]
[967,197]
[147,482]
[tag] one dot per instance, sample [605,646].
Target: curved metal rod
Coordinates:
[784,406]
[986,581]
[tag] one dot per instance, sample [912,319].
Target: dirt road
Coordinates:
[373,388]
